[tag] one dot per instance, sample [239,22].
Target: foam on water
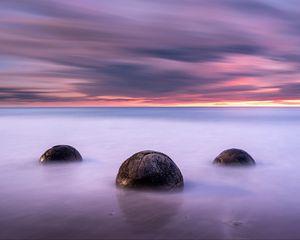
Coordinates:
[80,200]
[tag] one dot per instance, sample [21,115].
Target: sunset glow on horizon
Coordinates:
[136,53]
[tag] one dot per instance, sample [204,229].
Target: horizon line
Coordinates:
[205,106]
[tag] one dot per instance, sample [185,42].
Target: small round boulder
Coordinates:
[234,157]
[149,170]
[61,153]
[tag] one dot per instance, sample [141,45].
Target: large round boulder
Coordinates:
[61,153]
[150,170]
[234,157]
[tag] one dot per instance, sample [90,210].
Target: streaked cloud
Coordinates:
[161,52]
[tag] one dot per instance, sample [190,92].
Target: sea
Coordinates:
[81,200]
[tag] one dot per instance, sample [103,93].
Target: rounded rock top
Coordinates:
[61,153]
[234,156]
[150,170]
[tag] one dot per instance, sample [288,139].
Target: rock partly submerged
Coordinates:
[234,157]
[61,153]
[149,170]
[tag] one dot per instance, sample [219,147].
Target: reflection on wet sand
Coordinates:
[148,211]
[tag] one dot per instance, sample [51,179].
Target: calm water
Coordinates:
[80,201]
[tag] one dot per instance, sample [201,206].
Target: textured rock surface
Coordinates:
[234,157]
[61,153]
[149,169]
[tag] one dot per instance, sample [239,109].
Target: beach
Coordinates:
[81,201]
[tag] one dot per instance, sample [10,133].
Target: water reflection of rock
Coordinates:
[148,211]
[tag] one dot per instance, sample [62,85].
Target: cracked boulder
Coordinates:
[234,157]
[149,170]
[61,153]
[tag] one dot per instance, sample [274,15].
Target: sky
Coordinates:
[149,53]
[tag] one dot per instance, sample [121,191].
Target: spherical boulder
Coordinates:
[234,157]
[149,170]
[61,153]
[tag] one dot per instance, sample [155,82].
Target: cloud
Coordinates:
[256,7]
[201,54]
[291,90]
[137,80]
[158,51]
[48,8]
[26,95]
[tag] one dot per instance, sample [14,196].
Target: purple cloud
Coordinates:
[154,52]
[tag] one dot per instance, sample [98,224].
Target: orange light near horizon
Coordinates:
[271,103]
[140,103]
